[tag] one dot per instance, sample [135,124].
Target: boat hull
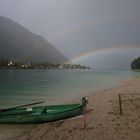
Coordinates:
[38,115]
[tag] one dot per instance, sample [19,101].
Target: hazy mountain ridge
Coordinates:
[18,43]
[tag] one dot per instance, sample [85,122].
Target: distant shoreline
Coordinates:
[5,64]
[45,68]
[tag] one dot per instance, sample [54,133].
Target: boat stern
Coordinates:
[84,100]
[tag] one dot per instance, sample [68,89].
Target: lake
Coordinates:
[54,86]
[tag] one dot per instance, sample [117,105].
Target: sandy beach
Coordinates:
[103,121]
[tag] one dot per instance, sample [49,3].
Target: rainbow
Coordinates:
[78,27]
[101,52]
[88,24]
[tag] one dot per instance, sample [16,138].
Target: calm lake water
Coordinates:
[18,87]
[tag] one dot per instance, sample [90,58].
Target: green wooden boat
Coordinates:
[41,114]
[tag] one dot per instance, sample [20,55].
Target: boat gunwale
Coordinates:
[45,113]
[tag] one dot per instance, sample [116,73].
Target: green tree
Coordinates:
[135,64]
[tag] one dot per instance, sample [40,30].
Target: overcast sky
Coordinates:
[77,27]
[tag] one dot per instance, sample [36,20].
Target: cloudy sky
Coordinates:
[99,33]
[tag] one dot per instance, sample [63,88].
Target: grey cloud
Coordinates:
[59,21]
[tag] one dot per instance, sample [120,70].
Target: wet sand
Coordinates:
[103,121]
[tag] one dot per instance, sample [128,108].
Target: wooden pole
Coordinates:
[4,110]
[85,117]
[120,104]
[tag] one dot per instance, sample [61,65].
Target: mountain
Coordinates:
[18,43]
[135,64]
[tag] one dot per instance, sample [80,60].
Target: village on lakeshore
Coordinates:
[5,64]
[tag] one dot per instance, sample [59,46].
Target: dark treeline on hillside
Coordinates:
[135,64]
[5,64]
